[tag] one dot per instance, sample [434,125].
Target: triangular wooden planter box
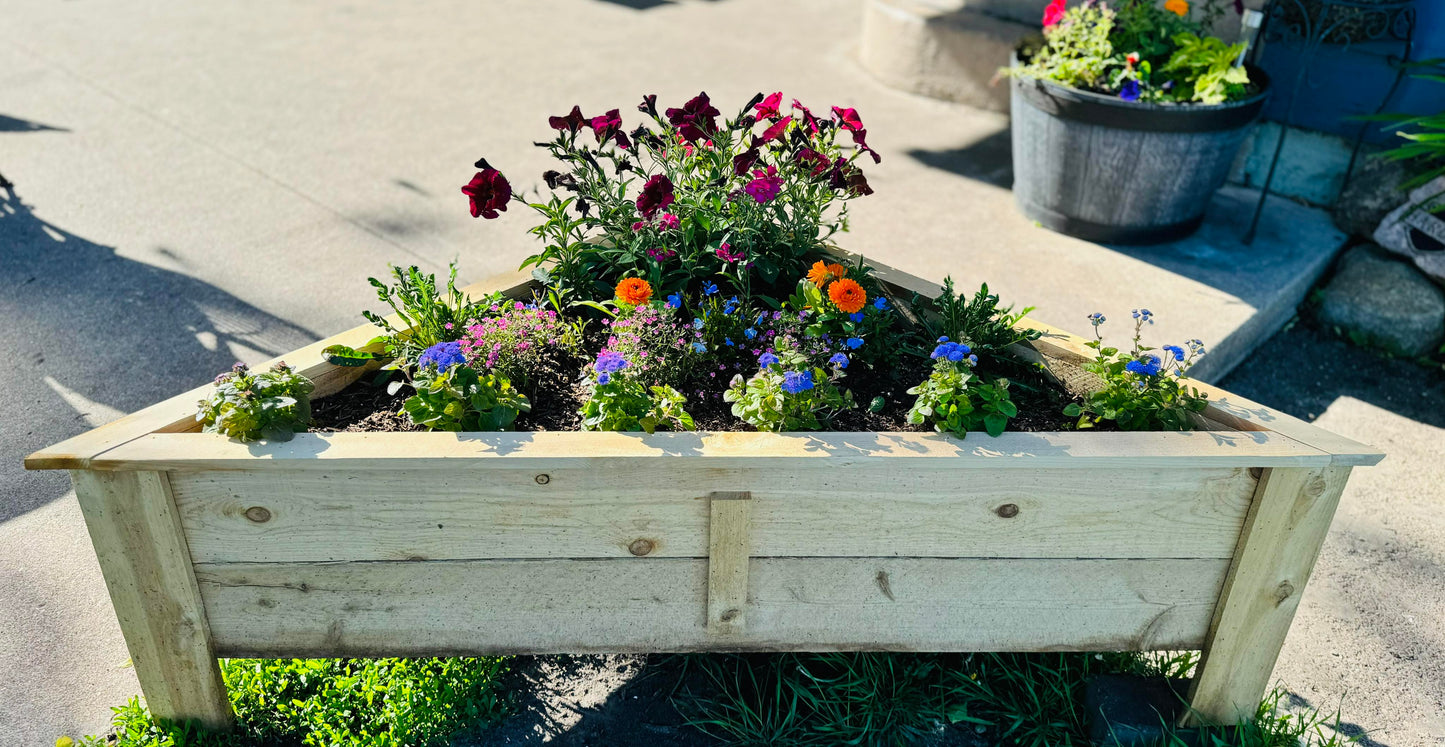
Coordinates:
[369,544]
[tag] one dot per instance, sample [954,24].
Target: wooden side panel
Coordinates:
[147,568]
[817,509]
[647,604]
[1282,537]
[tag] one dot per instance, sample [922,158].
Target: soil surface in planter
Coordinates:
[557,395]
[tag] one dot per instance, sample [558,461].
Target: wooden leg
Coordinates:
[727,563]
[147,567]
[1283,532]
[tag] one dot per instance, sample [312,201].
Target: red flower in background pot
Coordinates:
[488,192]
[695,119]
[768,109]
[656,195]
[1054,13]
[573,122]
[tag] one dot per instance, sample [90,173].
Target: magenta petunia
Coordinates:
[1054,13]
[772,133]
[669,222]
[765,185]
[573,122]
[656,195]
[609,126]
[848,118]
[726,254]
[768,109]
[696,119]
[809,121]
[488,193]
[816,163]
[659,254]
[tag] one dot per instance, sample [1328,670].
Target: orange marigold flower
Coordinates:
[633,291]
[1177,7]
[848,295]
[822,273]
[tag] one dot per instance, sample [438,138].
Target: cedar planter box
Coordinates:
[369,544]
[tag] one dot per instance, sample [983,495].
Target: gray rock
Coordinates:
[1373,191]
[1386,302]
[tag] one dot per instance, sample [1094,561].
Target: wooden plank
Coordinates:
[561,449]
[727,562]
[147,568]
[1277,550]
[658,604]
[603,509]
[1232,410]
[178,414]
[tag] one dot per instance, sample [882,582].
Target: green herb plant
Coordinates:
[459,398]
[428,314]
[1141,391]
[273,405]
[1207,70]
[981,322]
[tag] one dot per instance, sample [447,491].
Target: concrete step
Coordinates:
[949,50]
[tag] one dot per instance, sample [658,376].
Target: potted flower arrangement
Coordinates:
[698,425]
[1127,118]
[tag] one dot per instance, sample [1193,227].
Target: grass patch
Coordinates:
[316,702]
[894,700]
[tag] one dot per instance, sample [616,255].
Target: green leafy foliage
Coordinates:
[349,357]
[956,402]
[980,321]
[1141,391]
[333,703]
[461,399]
[1423,149]
[246,406]
[429,314]
[625,404]
[1140,50]
[787,393]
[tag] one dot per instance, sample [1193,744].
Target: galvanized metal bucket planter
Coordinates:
[411,544]
[1104,169]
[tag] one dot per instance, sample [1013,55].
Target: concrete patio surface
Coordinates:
[203,183]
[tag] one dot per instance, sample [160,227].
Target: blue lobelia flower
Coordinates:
[697,323]
[856,317]
[674,301]
[729,341]
[709,288]
[881,303]
[698,347]
[750,333]
[443,355]
[731,305]
[854,343]
[797,381]
[839,360]
[767,359]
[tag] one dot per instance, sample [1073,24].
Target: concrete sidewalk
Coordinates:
[204,183]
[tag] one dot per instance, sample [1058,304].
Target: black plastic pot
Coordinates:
[1104,169]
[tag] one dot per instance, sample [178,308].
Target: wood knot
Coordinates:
[730,615]
[640,547]
[1284,591]
[1007,510]
[543,479]
[258,514]
[1316,488]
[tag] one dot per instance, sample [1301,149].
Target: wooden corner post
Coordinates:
[1283,532]
[138,539]
[727,562]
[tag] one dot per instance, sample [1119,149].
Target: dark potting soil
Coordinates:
[557,394]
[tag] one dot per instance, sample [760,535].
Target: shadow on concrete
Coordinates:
[639,4]
[1346,729]
[989,160]
[1302,370]
[12,124]
[90,335]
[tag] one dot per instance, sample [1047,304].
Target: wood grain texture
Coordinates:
[729,450]
[1282,537]
[727,562]
[600,510]
[1063,352]
[147,568]
[178,414]
[659,604]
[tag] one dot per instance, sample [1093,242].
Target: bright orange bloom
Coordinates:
[1177,7]
[633,291]
[848,295]
[822,273]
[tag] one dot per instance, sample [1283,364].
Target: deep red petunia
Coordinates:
[768,109]
[816,163]
[809,121]
[847,176]
[609,125]
[573,122]
[1054,13]
[656,195]
[696,119]
[488,192]
[745,160]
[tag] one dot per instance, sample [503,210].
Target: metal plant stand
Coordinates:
[1310,24]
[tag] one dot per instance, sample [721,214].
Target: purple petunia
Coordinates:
[765,186]
[1130,91]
